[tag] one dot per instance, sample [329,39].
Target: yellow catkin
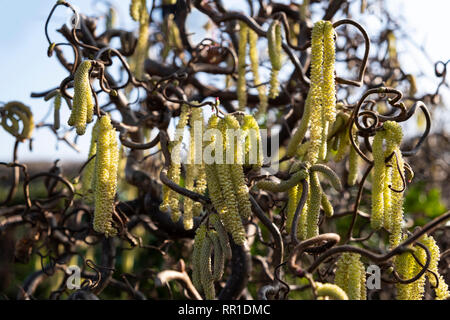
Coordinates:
[350,276]
[254,63]
[441,291]
[315,91]
[106,165]
[353,164]
[253,143]
[170,197]
[291,206]
[387,197]
[200,183]
[15,111]
[200,235]
[232,217]
[379,172]
[331,291]
[302,222]
[330,174]
[83,105]
[326,205]
[404,265]
[241,83]
[275,44]
[87,179]
[236,169]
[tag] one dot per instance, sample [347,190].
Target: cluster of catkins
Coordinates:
[17,119]
[225,175]
[209,241]
[195,179]
[407,267]
[247,35]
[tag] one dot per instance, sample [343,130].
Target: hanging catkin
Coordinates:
[106,165]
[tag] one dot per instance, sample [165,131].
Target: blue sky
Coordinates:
[25,67]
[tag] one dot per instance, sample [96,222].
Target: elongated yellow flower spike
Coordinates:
[200,235]
[236,169]
[83,105]
[326,205]
[441,291]
[350,276]
[315,91]
[329,173]
[254,63]
[136,9]
[353,164]
[87,179]
[16,111]
[302,226]
[241,83]
[170,197]
[274,41]
[291,206]
[405,267]
[299,134]
[379,172]
[232,217]
[328,83]
[106,165]
[253,143]
[330,290]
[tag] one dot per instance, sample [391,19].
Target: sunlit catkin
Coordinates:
[241,83]
[83,105]
[274,43]
[106,165]
[350,276]
[139,13]
[253,143]
[379,171]
[314,199]
[254,63]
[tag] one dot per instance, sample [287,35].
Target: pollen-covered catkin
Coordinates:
[253,142]
[241,83]
[315,91]
[353,163]
[254,63]
[291,206]
[236,169]
[170,197]
[350,276]
[106,165]
[274,43]
[379,172]
[83,105]
[232,218]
